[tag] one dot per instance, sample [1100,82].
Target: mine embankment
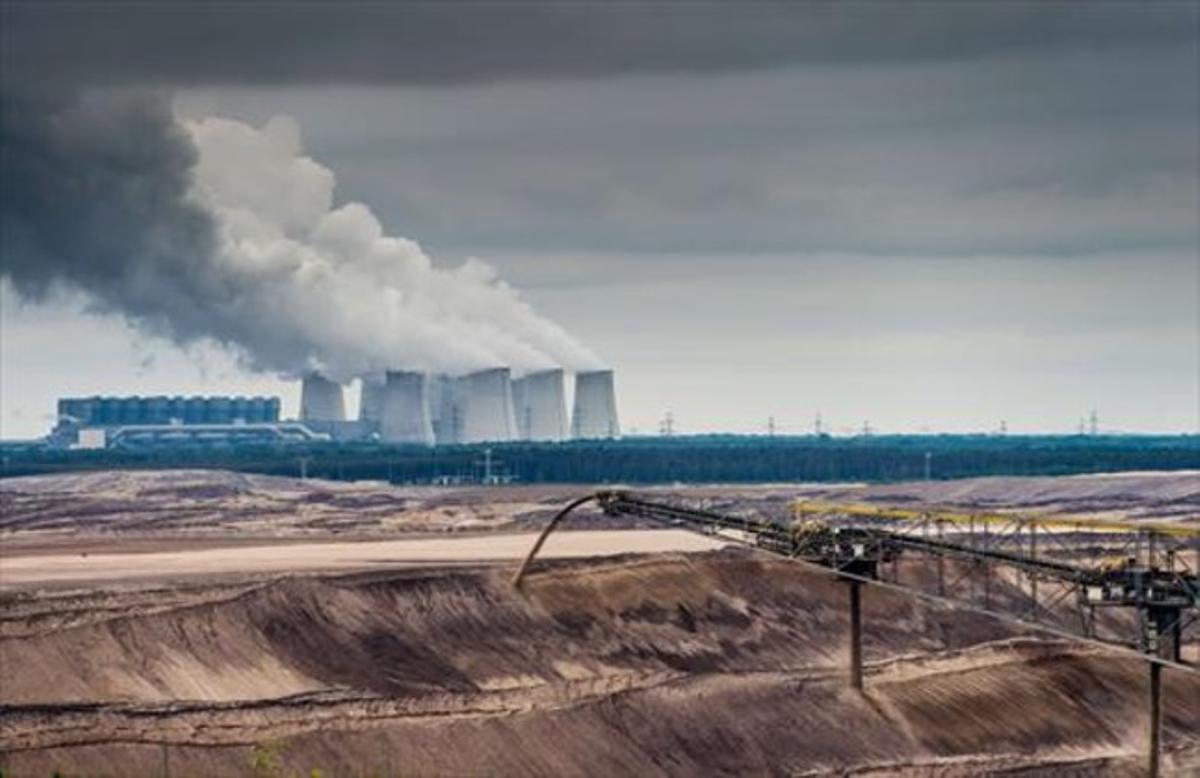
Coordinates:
[723,662]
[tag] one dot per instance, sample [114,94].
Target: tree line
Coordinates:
[692,459]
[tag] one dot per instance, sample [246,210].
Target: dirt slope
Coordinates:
[722,663]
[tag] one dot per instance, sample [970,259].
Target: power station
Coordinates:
[396,407]
[131,422]
[540,404]
[402,406]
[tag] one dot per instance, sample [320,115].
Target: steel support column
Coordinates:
[1155,717]
[856,667]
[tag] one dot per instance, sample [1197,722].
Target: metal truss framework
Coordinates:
[1125,586]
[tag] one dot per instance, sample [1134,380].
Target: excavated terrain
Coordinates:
[198,623]
[725,662]
[214,507]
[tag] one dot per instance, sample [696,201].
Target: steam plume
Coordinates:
[217,230]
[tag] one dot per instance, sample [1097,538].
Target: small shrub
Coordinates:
[266,759]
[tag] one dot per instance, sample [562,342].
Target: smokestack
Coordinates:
[540,406]
[485,400]
[405,409]
[370,399]
[595,414]
[321,399]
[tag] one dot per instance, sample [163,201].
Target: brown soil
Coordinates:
[22,567]
[721,663]
[211,507]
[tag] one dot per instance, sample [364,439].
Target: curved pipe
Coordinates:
[537,545]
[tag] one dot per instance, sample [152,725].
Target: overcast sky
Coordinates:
[928,216]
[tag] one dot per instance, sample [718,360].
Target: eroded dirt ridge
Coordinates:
[725,662]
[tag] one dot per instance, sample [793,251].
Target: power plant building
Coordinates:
[539,402]
[484,403]
[595,413]
[370,398]
[404,412]
[444,409]
[321,399]
[401,407]
[134,411]
[139,422]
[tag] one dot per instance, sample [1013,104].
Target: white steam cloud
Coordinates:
[323,288]
[217,230]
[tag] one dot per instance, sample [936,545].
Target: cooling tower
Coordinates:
[485,400]
[321,399]
[540,406]
[445,408]
[595,414]
[404,414]
[370,398]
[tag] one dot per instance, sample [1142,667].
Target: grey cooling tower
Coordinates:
[485,400]
[539,403]
[405,409]
[321,399]
[445,408]
[370,399]
[595,414]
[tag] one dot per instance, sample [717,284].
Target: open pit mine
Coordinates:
[188,623]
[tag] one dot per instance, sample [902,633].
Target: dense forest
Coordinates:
[710,458]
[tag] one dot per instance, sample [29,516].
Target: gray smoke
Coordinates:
[93,195]
[216,230]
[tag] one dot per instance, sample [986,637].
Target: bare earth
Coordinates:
[208,618]
[22,570]
[205,505]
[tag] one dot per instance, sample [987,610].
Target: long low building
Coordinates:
[107,422]
[151,435]
[116,411]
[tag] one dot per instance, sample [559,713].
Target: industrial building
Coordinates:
[407,407]
[126,422]
[399,407]
[404,412]
[486,406]
[595,414]
[539,400]
[119,411]
[321,399]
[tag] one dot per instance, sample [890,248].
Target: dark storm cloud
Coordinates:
[93,195]
[449,42]
[902,127]
[1060,153]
